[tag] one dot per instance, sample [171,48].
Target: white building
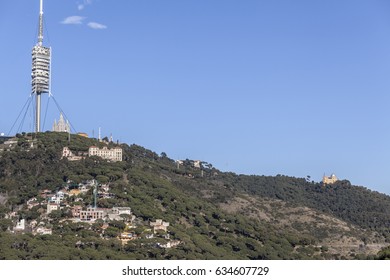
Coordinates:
[197,163]
[170,244]
[32,203]
[20,226]
[57,199]
[61,125]
[114,154]
[194,163]
[52,206]
[43,231]
[159,224]
[121,210]
[116,212]
[67,153]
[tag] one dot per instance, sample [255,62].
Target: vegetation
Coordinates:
[189,198]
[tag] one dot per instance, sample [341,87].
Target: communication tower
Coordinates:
[40,74]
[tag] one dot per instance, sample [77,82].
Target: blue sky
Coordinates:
[256,86]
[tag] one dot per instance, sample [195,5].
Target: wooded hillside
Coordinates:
[215,215]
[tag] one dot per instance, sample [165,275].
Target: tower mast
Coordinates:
[40,75]
[40,35]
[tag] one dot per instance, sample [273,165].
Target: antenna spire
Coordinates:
[40,35]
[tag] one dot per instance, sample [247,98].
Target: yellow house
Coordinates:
[329,180]
[74,192]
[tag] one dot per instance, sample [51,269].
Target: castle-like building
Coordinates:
[61,125]
[114,154]
[67,153]
[329,179]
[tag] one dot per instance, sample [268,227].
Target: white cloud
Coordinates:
[73,20]
[95,25]
[82,5]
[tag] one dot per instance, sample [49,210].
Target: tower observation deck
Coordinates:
[40,75]
[40,69]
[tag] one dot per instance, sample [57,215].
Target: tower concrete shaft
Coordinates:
[38,113]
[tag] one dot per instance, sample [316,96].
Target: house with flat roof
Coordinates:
[114,154]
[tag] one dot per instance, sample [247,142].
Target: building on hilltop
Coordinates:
[193,163]
[114,154]
[92,214]
[82,134]
[42,231]
[52,206]
[116,212]
[8,144]
[20,226]
[127,236]
[329,180]
[67,153]
[197,163]
[170,244]
[76,210]
[61,125]
[159,224]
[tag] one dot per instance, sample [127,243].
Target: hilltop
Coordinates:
[208,214]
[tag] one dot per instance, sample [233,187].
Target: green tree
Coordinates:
[111,232]
[55,215]
[5,224]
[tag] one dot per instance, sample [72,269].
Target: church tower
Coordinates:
[61,125]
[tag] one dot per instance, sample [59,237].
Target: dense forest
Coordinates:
[198,202]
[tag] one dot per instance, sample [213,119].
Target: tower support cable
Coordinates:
[28,102]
